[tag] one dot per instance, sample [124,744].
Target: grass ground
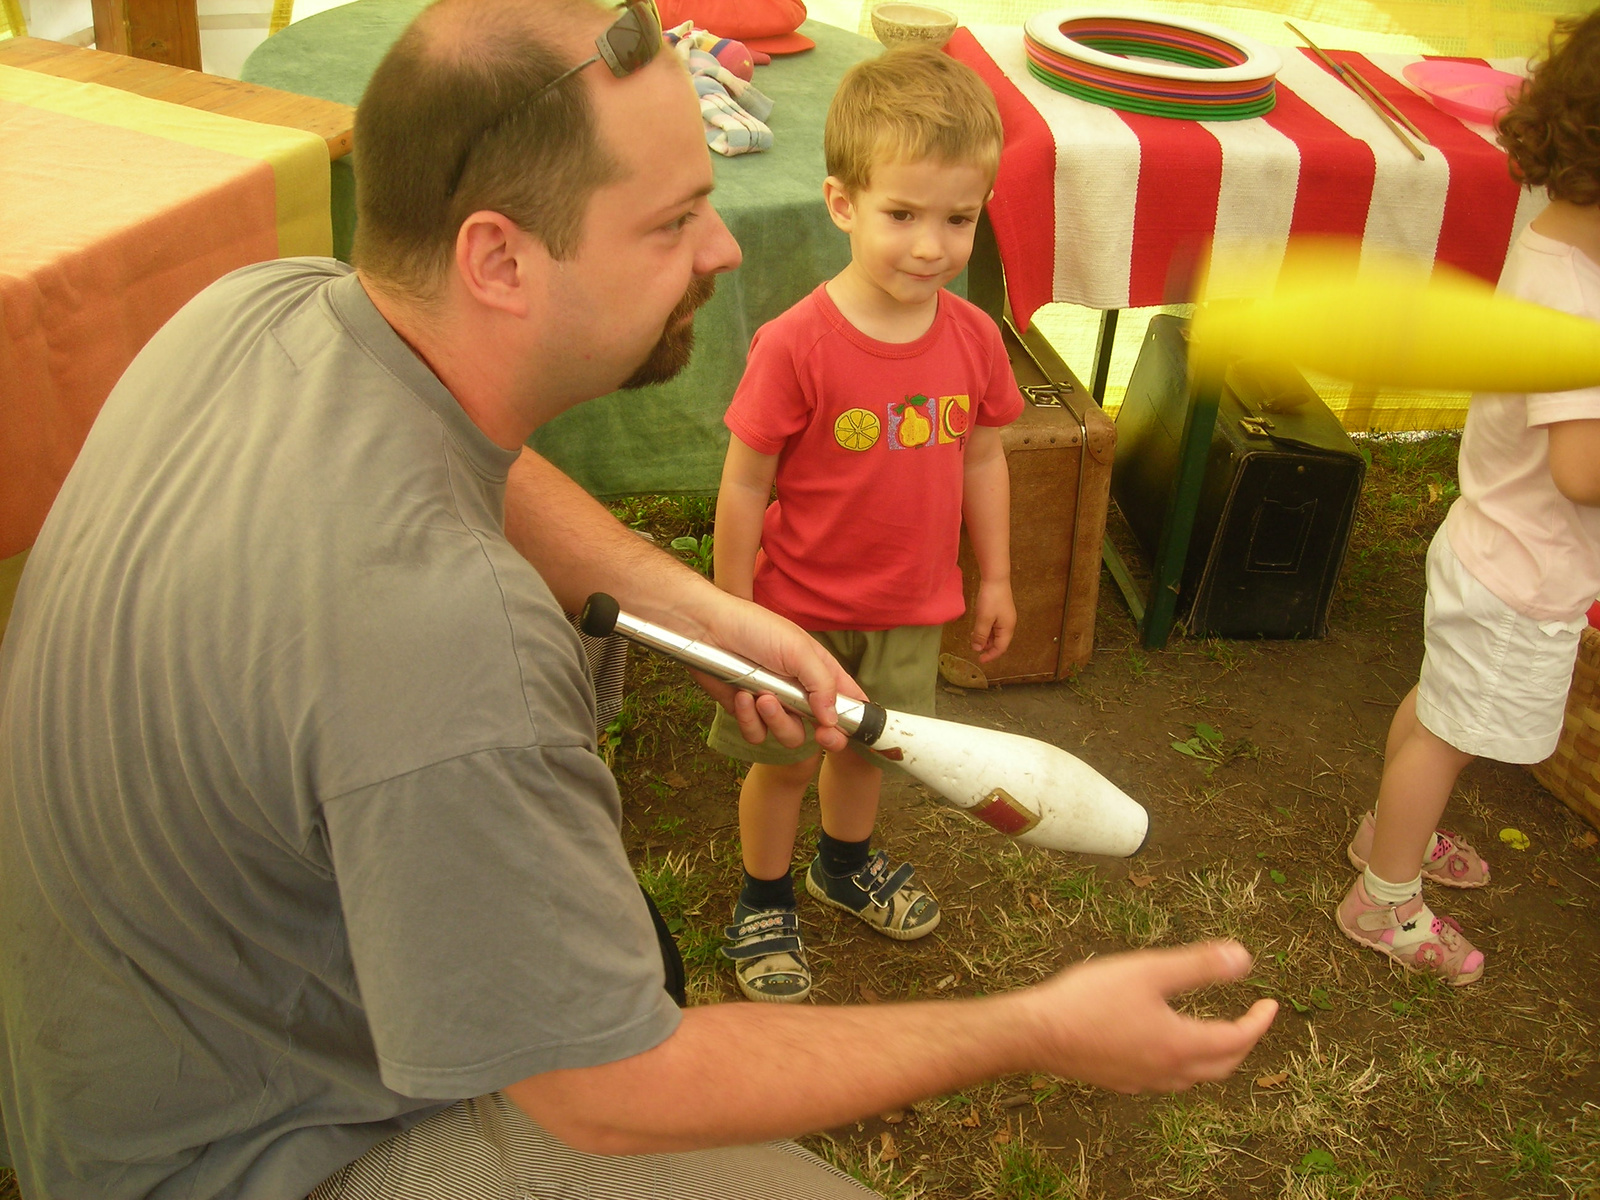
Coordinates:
[1255,759]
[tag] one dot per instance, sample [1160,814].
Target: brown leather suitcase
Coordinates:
[1059,452]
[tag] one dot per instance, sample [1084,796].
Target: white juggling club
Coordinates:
[1023,787]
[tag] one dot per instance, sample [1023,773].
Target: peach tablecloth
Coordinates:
[114,211]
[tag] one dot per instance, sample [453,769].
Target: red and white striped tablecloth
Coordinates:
[1112,209]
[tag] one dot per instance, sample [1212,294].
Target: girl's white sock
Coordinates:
[1385,892]
[1420,927]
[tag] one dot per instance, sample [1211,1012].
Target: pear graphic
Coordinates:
[915,427]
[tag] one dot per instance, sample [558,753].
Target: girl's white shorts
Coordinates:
[1494,682]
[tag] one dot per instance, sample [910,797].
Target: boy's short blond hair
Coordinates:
[910,105]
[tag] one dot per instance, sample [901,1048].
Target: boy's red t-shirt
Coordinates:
[871,440]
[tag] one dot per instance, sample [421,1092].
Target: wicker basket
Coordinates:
[1573,771]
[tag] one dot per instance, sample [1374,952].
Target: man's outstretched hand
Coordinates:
[1107,1021]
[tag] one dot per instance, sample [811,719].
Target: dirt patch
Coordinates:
[1372,1082]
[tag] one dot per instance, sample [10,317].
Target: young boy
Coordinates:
[876,405]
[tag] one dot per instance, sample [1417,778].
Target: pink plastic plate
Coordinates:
[1466,90]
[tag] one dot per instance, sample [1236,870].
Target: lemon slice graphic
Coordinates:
[857,429]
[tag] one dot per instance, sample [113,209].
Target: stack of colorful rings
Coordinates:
[1164,68]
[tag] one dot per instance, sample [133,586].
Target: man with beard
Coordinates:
[311,876]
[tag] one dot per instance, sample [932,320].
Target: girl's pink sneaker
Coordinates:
[1444,951]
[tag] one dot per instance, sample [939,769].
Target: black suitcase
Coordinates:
[1274,513]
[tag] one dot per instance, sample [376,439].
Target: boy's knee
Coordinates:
[796,774]
[852,763]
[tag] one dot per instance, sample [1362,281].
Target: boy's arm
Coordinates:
[742,498]
[1575,460]
[747,476]
[986,509]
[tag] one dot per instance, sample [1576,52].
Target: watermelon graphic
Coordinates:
[955,417]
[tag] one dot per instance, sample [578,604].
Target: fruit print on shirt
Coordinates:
[910,423]
[913,423]
[920,421]
[857,429]
[955,418]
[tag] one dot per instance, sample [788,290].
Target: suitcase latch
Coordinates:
[1256,426]
[1047,395]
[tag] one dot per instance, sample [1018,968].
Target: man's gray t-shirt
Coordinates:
[301,828]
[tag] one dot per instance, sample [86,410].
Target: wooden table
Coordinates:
[192,89]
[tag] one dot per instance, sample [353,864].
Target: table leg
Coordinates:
[1102,354]
[1123,578]
[1109,554]
[986,279]
[1173,547]
[1357,416]
[165,31]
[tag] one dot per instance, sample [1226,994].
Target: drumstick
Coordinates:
[1388,104]
[1341,74]
[1351,73]
[1025,788]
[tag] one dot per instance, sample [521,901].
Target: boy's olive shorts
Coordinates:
[898,668]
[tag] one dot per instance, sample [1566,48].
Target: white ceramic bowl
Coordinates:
[900,24]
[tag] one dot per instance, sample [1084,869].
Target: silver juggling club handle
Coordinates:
[602,616]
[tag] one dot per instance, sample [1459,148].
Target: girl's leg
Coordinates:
[1419,770]
[1384,908]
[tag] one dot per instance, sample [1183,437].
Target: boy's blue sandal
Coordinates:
[768,958]
[887,901]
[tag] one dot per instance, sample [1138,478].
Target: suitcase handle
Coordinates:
[1048,395]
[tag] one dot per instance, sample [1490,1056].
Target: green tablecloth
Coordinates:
[669,438]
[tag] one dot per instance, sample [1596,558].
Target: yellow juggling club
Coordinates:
[1393,324]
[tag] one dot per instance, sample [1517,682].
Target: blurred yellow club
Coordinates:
[1515,838]
[1391,322]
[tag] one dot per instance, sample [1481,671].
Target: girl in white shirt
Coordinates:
[1516,564]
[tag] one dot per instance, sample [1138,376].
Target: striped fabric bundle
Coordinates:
[1147,66]
[1115,209]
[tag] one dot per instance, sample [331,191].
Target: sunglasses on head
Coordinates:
[627,44]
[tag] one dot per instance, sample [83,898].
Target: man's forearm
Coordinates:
[738,1073]
[580,548]
[745,1072]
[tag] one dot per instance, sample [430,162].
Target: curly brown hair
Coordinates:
[1552,131]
